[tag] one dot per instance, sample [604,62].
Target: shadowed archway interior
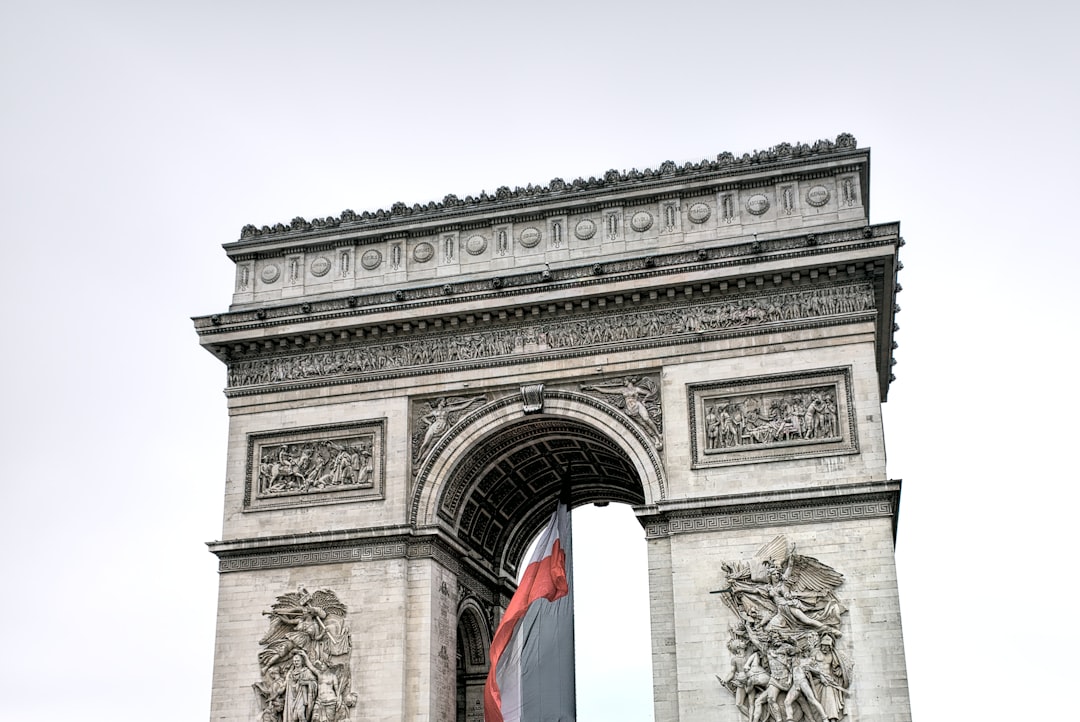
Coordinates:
[504,492]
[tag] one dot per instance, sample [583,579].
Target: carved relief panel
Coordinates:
[786,637]
[638,397]
[316,465]
[669,322]
[772,417]
[431,419]
[306,672]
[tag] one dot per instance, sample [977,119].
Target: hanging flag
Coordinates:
[531,678]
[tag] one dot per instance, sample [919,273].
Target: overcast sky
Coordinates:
[137,137]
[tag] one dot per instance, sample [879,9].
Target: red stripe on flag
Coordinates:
[544,579]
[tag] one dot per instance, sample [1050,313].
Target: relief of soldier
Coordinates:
[594,331]
[784,664]
[315,465]
[762,419]
[306,673]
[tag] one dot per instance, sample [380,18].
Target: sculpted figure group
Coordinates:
[784,664]
[306,676]
[760,420]
[746,312]
[311,466]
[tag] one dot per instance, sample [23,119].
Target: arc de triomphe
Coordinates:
[709,343]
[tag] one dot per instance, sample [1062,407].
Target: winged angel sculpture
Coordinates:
[784,662]
[306,676]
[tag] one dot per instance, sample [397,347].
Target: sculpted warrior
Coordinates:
[300,691]
[305,660]
[791,617]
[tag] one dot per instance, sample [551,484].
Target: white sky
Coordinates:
[136,137]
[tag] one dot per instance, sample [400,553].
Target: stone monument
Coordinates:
[709,343]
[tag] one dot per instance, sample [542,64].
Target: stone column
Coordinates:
[662,620]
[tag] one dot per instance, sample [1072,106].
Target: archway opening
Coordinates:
[498,500]
[613,641]
[501,495]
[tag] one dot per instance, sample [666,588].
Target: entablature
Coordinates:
[674,298]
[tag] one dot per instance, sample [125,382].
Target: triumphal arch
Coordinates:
[709,343]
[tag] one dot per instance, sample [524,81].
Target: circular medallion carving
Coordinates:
[585,229]
[529,237]
[641,221]
[817,196]
[320,266]
[699,212]
[476,245]
[757,204]
[270,273]
[423,252]
[371,259]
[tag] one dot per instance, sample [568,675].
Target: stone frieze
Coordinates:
[669,322]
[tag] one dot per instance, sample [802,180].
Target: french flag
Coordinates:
[531,678]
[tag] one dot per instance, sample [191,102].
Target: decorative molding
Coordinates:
[299,551]
[320,266]
[530,237]
[423,252]
[315,465]
[336,554]
[645,267]
[557,188]
[270,273]
[665,324]
[806,506]
[699,213]
[371,259]
[585,229]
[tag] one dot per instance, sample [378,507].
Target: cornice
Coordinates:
[505,200]
[769,509]
[340,547]
[583,275]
